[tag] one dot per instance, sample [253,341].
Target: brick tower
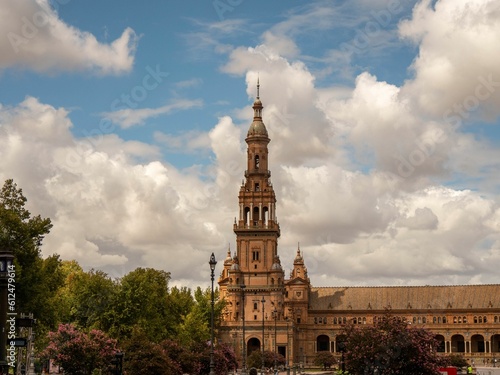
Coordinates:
[252,281]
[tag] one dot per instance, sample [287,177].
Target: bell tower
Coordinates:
[257,229]
[252,281]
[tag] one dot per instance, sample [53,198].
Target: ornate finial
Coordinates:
[258,86]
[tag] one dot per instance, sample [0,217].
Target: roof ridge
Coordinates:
[404,286]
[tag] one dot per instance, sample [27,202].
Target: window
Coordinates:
[257,186]
[255,255]
[255,305]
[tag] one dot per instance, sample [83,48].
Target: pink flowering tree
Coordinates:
[389,347]
[79,353]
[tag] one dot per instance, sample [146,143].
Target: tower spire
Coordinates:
[258,87]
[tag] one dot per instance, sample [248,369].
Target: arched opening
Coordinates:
[322,343]
[255,216]
[256,162]
[253,345]
[266,215]
[495,344]
[246,214]
[457,344]
[477,344]
[441,344]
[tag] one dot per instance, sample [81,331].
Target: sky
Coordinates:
[124,123]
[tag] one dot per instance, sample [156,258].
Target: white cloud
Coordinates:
[36,38]
[358,175]
[457,74]
[365,176]
[108,210]
[129,117]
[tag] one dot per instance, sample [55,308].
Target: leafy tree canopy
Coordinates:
[37,280]
[80,353]
[392,347]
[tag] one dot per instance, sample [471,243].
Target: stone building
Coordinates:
[288,315]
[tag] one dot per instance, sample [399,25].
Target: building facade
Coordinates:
[267,311]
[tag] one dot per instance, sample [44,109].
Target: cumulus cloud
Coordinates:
[36,38]
[108,210]
[366,177]
[287,90]
[457,75]
[361,176]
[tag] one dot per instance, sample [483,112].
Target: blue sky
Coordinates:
[124,123]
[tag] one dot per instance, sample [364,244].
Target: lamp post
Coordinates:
[244,369]
[275,314]
[6,267]
[341,346]
[212,263]
[287,346]
[118,362]
[263,301]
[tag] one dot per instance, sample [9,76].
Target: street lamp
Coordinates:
[212,263]
[275,314]
[244,370]
[263,301]
[287,346]
[6,258]
[341,347]
[118,362]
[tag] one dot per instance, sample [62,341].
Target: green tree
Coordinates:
[37,280]
[224,359]
[455,360]
[180,301]
[80,353]
[91,296]
[391,346]
[189,359]
[196,325]
[324,359]
[141,302]
[255,359]
[146,357]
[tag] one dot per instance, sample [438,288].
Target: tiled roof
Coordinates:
[405,297]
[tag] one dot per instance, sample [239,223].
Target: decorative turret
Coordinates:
[299,269]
